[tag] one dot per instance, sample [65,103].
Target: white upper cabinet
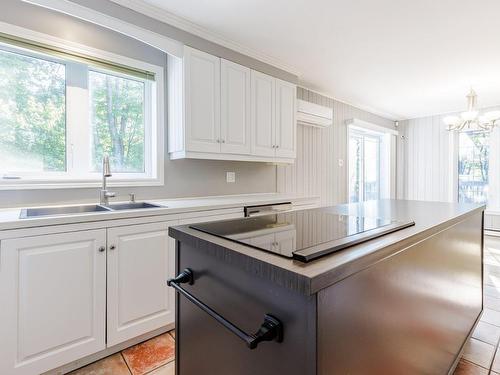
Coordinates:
[286,129]
[273,117]
[236,132]
[53,298]
[263,114]
[222,110]
[202,85]
[139,263]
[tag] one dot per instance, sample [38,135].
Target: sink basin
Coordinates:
[132,206]
[27,213]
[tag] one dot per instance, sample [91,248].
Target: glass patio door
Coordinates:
[364,167]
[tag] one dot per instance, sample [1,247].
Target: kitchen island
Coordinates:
[401,303]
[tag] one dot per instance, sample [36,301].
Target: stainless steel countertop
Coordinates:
[308,278]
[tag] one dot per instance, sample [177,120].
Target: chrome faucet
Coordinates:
[104,194]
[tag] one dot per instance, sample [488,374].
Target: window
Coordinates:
[117,118]
[473,166]
[32,114]
[364,167]
[60,113]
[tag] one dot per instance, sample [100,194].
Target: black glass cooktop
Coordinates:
[303,235]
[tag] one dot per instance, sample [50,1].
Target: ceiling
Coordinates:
[400,58]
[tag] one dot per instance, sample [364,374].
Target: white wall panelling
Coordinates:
[428,164]
[316,171]
[429,167]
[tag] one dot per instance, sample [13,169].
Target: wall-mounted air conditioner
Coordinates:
[311,114]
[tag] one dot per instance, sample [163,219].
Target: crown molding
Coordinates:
[192,28]
[68,7]
[384,114]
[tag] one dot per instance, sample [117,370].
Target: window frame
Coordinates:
[76,119]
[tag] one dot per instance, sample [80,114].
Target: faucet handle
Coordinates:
[132,197]
[106,170]
[110,194]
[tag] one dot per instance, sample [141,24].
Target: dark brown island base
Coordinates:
[402,303]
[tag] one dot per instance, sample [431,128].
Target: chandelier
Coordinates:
[471,119]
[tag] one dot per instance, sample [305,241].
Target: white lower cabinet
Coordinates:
[139,263]
[53,300]
[65,296]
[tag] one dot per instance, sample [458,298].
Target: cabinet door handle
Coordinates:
[112,247]
[223,141]
[270,330]
[102,249]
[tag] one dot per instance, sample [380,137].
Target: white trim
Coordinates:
[192,28]
[233,157]
[387,155]
[78,48]
[361,125]
[77,184]
[158,41]
[156,165]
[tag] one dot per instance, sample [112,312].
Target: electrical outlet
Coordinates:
[230,177]
[341,162]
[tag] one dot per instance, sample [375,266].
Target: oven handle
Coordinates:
[270,330]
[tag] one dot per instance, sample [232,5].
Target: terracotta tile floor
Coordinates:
[153,357]
[482,355]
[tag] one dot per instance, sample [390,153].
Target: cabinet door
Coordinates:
[266,241]
[235,108]
[263,115]
[202,86]
[52,298]
[285,241]
[286,126]
[139,265]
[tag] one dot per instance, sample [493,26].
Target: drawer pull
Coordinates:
[270,330]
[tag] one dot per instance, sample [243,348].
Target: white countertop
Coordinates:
[9,217]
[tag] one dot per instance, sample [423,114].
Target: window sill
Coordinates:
[77,184]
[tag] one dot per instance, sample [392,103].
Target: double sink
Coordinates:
[28,213]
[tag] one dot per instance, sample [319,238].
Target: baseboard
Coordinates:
[107,352]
